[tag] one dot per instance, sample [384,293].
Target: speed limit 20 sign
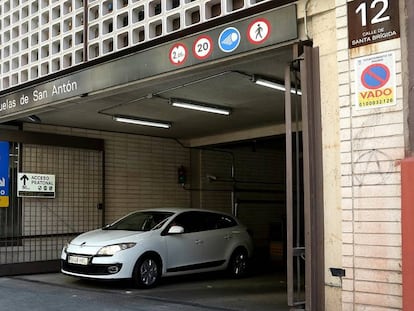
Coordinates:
[372,21]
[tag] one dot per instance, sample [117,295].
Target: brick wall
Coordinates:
[372,143]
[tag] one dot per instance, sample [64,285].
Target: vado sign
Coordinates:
[375,81]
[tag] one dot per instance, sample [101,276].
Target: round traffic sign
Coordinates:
[203,47]
[258,31]
[375,76]
[229,39]
[178,54]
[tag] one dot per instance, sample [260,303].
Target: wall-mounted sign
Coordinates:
[372,21]
[375,81]
[178,54]
[229,39]
[36,185]
[4,174]
[203,47]
[264,29]
[259,31]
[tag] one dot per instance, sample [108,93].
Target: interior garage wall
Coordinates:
[48,223]
[140,171]
[251,176]
[74,209]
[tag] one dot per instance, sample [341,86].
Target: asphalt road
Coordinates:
[47,292]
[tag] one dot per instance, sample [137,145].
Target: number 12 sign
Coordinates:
[372,21]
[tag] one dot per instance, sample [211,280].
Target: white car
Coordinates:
[147,245]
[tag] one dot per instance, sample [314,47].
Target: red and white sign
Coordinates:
[375,81]
[178,54]
[259,31]
[203,47]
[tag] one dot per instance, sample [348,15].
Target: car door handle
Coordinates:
[228,237]
[198,242]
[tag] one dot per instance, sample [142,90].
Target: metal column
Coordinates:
[304,192]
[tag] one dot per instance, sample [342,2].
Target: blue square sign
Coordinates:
[4,174]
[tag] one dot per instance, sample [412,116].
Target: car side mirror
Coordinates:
[176,230]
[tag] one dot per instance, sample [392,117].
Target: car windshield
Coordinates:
[140,221]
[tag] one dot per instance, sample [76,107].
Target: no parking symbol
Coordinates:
[375,81]
[375,76]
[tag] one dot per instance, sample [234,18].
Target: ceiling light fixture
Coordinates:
[145,122]
[274,85]
[34,118]
[200,107]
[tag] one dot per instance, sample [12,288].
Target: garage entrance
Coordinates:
[274,185]
[267,91]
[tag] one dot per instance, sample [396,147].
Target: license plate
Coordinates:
[78,260]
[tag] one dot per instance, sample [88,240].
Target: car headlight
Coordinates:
[65,248]
[110,250]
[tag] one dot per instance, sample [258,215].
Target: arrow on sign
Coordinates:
[24,178]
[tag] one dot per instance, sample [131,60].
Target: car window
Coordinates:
[195,221]
[218,221]
[190,221]
[140,221]
[225,221]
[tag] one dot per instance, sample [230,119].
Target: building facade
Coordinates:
[362,147]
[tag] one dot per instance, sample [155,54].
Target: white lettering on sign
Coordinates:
[64,88]
[379,17]
[8,104]
[39,95]
[374,35]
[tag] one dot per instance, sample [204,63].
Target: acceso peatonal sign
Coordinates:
[35,185]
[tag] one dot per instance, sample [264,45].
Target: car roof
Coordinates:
[177,210]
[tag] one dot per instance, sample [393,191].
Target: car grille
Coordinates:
[89,269]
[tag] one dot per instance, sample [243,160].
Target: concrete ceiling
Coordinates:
[226,83]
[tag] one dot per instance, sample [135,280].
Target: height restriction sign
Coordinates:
[375,81]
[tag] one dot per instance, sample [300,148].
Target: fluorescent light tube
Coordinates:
[276,86]
[199,107]
[144,122]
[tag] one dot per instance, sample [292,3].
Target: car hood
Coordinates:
[102,237]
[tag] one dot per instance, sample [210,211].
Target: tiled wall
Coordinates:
[49,223]
[140,171]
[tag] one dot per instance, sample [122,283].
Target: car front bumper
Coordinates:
[118,266]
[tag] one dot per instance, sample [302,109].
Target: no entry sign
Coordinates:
[375,81]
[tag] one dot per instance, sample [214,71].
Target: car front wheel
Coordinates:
[238,264]
[147,272]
